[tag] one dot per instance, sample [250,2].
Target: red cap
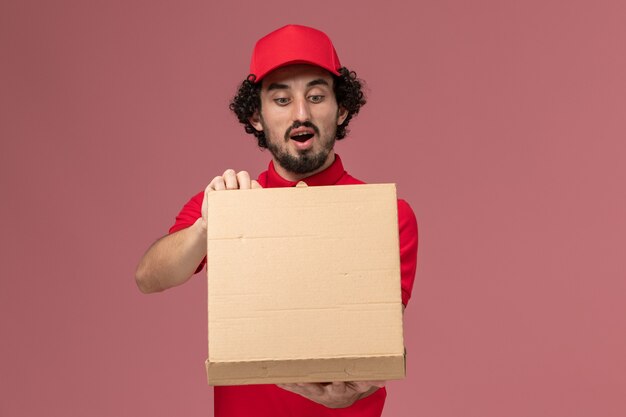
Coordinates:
[293,44]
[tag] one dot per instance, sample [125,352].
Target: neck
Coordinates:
[292,176]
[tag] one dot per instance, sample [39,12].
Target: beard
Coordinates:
[305,161]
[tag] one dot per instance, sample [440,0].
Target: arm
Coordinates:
[173,259]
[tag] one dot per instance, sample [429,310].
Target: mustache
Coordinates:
[298,124]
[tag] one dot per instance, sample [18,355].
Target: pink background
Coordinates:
[502,122]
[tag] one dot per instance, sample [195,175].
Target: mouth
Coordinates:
[301,137]
[301,134]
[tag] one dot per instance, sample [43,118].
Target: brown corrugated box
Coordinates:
[304,285]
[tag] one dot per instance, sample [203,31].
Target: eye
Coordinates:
[317,98]
[281,101]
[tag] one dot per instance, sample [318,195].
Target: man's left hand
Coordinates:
[335,394]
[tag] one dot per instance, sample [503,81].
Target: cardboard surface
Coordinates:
[304,285]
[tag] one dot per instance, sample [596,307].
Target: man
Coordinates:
[297,101]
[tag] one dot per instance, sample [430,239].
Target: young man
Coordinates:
[297,101]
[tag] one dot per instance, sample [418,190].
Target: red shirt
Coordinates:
[269,400]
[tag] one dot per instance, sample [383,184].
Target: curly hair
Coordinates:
[346,86]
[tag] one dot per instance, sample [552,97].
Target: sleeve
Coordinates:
[407,226]
[190,212]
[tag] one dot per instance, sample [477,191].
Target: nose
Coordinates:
[302,112]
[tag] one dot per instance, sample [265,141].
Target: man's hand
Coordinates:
[173,259]
[335,394]
[230,180]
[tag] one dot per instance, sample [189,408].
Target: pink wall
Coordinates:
[503,123]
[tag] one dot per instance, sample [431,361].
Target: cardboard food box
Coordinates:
[304,285]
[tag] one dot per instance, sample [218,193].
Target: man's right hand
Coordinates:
[174,258]
[230,180]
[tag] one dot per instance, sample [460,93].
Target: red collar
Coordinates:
[329,176]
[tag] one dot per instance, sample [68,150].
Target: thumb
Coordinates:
[205,205]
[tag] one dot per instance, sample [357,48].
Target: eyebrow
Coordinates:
[278,86]
[319,81]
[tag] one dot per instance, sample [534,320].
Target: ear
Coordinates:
[342,115]
[255,121]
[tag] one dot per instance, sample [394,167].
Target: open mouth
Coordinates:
[301,137]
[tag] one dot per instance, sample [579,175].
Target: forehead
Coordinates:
[295,75]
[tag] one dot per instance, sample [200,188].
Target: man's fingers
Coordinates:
[243,178]
[313,389]
[287,387]
[230,179]
[309,388]
[205,203]
[338,388]
[217,184]
[304,389]
[361,386]
[378,384]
